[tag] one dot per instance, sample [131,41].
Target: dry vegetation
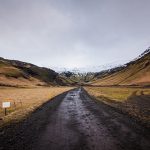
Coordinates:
[20,82]
[134,101]
[135,73]
[24,101]
[117,93]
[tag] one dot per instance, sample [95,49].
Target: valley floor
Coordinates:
[74,121]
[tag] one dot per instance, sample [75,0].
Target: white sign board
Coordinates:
[6,104]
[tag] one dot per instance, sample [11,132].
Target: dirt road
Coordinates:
[80,123]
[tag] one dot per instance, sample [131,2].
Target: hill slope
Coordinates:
[136,72]
[17,73]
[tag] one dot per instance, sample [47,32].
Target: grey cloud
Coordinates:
[73,33]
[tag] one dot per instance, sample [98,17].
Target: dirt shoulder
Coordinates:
[135,102]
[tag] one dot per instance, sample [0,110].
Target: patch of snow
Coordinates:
[143,54]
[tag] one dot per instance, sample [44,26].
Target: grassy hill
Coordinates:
[17,73]
[136,72]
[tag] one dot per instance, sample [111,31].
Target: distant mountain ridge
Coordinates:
[91,68]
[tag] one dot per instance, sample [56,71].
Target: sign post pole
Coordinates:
[5,111]
[5,105]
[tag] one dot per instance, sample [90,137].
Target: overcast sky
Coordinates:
[74,33]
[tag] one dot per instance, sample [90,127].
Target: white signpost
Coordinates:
[5,105]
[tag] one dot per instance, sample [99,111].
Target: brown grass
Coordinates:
[21,82]
[137,73]
[24,101]
[116,93]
